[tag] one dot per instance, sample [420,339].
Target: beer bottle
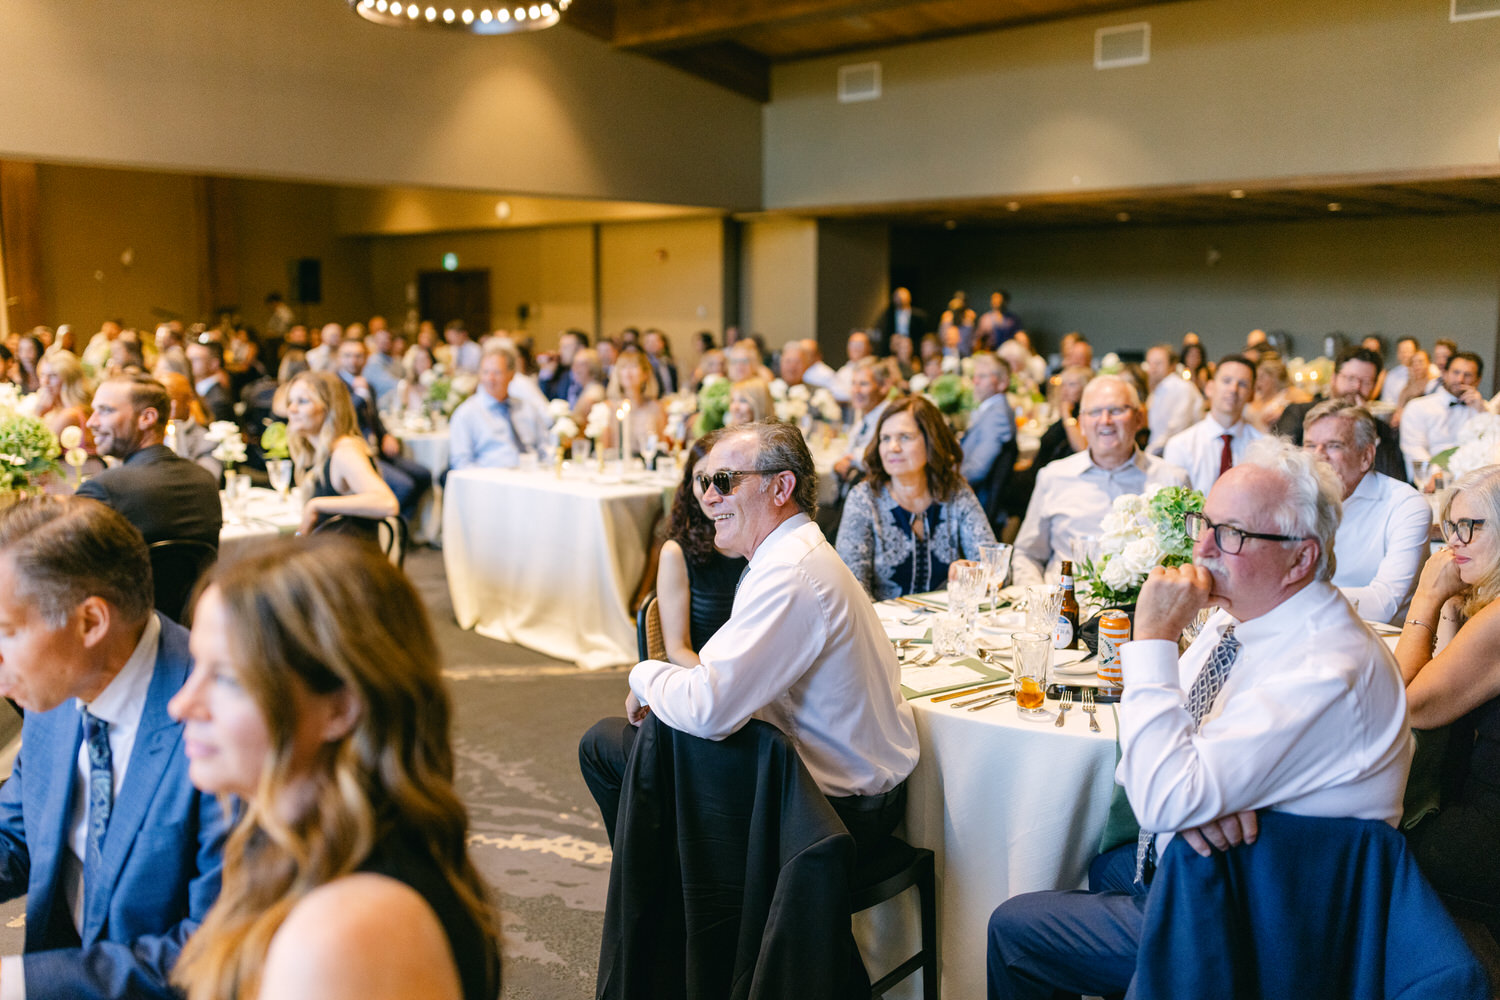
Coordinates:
[1066,636]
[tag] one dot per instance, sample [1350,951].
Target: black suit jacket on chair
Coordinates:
[163,495]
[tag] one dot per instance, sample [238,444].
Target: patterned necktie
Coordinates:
[504,406]
[1206,687]
[1226,457]
[101,788]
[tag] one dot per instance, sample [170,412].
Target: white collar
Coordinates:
[126,693]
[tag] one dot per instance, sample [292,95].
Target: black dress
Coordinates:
[475,953]
[366,529]
[711,587]
[1456,846]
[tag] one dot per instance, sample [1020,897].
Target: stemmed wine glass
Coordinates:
[995,557]
[650,449]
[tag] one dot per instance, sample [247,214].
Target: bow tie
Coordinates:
[1458,402]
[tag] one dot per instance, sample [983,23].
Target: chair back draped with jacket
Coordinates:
[1316,907]
[730,877]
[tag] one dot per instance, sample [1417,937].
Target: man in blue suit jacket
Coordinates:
[993,424]
[117,852]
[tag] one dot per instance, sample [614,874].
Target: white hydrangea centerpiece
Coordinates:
[1478,446]
[1139,532]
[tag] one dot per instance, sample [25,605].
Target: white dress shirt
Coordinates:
[1381,546]
[1174,406]
[804,651]
[319,359]
[1072,496]
[1311,721]
[1395,381]
[820,376]
[1430,424]
[1200,448]
[121,704]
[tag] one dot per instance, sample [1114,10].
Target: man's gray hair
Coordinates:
[984,359]
[881,372]
[1366,434]
[1124,381]
[499,347]
[780,448]
[1312,507]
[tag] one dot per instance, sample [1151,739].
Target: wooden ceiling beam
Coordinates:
[727,64]
[657,25]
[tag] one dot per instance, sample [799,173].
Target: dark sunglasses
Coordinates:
[726,481]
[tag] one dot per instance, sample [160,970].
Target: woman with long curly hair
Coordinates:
[913,514]
[316,699]
[331,458]
[695,581]
[1447,658]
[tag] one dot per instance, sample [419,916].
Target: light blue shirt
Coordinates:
[481,436]
[383,372]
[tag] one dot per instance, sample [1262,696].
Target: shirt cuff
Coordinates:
[641,677]
[1146,661]
[12,978]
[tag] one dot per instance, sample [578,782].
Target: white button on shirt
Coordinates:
[1312,721]
[1200,449]
[1381,546]
[804,651]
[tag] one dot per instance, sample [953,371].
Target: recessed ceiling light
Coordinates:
[1122,216]
[1334,206]
[1237,193]
[1013,206]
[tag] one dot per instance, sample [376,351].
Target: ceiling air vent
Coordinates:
[1469,10]
[859,82]
[1126,45]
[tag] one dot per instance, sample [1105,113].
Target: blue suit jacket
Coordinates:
[1315,908]
[161,853]
[992,427]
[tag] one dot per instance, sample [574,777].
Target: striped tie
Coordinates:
[1206,687]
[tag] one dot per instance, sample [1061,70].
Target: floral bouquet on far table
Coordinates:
[564,428]
[1140,531]
[1478,446]
[230,448]
[713,405]
[28,450]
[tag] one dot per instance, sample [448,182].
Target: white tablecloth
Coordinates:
[429,449]
[1008,806]
[549,563]
[265,516]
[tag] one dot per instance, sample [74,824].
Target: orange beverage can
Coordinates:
[1114,631]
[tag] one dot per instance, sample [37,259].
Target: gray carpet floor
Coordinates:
[536,835]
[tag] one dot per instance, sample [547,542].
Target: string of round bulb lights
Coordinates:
[495,19]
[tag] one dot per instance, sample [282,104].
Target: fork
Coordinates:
[1089,708]
[1062,708]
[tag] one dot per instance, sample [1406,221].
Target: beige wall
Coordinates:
[304,89]
[778,279]
[91,217]
[1428,277]
[1234,91]
[668,275]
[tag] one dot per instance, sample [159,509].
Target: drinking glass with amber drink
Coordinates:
[1032,661]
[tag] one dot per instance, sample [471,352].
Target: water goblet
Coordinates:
[280,472]
[1043,605]
[995,557]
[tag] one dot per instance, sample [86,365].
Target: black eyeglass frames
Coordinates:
[1229,539]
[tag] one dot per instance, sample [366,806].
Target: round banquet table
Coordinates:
[428,448]
[550,562]
[1008,807]
[265,516]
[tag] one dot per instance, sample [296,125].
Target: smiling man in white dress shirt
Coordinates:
[803,648]
[1382,540]
[1218,441]
[1430,423]
[1073,494]
[1299,708]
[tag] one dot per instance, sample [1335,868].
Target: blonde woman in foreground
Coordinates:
[316,699]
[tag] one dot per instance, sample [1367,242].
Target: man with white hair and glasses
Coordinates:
[803,648]
[1285,701]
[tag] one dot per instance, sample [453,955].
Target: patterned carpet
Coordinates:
[537,837]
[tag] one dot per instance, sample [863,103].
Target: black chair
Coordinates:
[999,485]
[177,564]
[389,534]
[890,870]
[649,643]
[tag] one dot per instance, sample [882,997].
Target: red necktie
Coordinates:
[1226,457]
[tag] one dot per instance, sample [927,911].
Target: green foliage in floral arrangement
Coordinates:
[951,394]
[1139,532]
[713,406]
[27,450]
[1167,507]
[273,440]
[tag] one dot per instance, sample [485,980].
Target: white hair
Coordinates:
[1312,507]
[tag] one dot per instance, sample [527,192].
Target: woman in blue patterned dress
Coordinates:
[913,514]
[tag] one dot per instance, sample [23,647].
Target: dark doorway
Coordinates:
[450,295]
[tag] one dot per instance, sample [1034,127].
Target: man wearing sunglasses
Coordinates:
[802,650]
[1284,701]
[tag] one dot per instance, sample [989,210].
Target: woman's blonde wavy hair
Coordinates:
[330,614]
[309,453]
[1483,489]
[77,388]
